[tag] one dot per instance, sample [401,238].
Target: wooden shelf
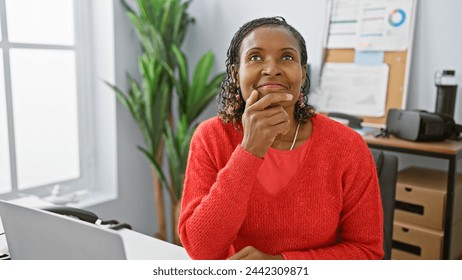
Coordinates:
[449,147]
[450,150]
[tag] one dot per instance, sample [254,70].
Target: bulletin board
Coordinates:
[398,61]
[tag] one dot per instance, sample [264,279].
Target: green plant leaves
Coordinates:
[194,96]
[161,26]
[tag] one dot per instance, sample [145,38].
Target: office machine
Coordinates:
[421,125]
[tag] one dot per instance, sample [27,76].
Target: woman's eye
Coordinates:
[288,57]
[255,58]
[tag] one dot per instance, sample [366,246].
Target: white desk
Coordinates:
[142,247]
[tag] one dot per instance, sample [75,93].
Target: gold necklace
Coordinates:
[295,137]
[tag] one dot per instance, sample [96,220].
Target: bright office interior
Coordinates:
[118,175]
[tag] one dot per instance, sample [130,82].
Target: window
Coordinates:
[49,94]
[5,180]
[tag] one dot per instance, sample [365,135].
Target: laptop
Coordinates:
[34,234]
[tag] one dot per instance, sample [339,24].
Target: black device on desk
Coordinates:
[86,216]
[353,121]
[421,125]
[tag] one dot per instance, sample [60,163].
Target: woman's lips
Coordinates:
[271,86]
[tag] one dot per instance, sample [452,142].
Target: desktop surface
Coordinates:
[450,147]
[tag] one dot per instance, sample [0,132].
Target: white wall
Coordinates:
[437,41]
[218,20]
[437,45]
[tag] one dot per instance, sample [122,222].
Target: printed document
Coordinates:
[384,25]
[343,24]
[352,89]
[374,25]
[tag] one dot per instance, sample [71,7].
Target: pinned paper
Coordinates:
[359,90]
[369,57]
[384,25]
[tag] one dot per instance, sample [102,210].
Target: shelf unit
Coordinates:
[449,150]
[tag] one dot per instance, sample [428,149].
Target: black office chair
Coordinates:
[387,170]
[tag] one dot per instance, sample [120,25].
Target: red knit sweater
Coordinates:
[330,210]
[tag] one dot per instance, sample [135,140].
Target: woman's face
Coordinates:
[270,63]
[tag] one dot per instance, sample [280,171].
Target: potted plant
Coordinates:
[193,98]
[161,27]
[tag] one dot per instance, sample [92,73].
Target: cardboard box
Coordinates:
[421,197]
[412,242]
[457,217]
[456,243]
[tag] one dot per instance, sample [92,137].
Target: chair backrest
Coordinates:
[387,170]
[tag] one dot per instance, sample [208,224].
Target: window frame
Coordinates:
[92,156]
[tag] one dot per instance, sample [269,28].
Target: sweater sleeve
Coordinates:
[361,219]
[214,203]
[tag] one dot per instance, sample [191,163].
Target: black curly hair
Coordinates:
[230,108]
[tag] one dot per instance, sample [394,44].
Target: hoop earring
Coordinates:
[238,94]
[300,101]
[238,99]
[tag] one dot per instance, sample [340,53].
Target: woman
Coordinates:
[270,179]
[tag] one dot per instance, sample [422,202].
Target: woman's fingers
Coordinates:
[241,255]
[251,253]
[252,99]
[267,100]
[263,120]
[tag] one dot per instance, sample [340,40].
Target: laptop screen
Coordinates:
[34,234]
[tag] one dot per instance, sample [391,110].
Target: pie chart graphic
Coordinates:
[397,17]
